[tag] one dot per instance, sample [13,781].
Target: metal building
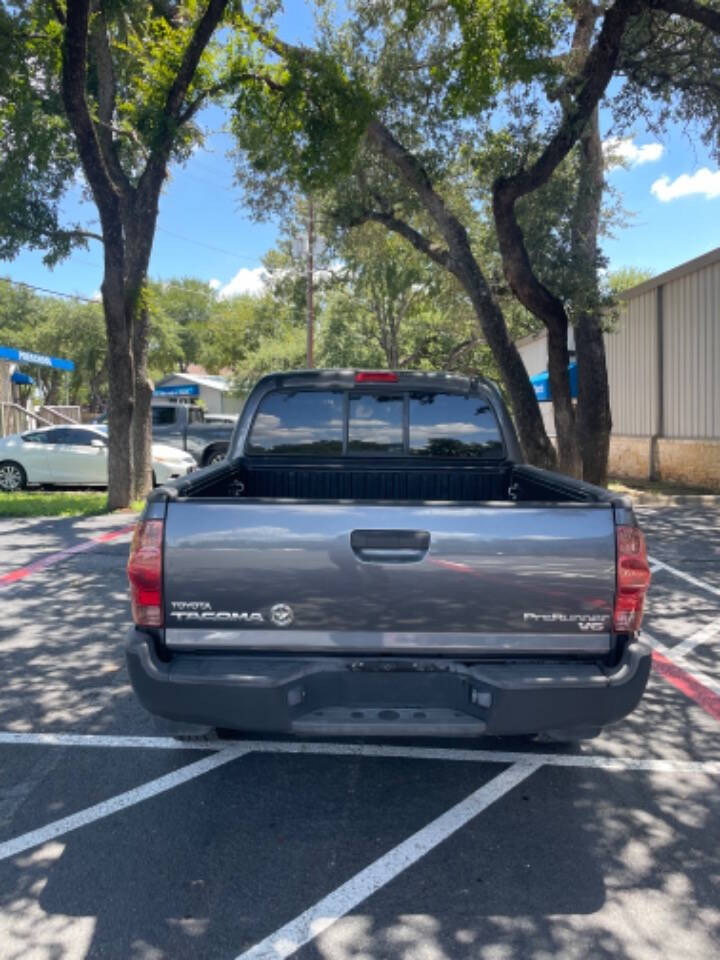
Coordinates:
[664,371]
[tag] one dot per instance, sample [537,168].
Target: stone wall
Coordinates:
[629,457]
[692,462]
[695,462]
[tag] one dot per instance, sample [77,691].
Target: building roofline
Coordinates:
[675,273]
[203,380]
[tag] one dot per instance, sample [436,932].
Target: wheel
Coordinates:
[215,456]
[12,476]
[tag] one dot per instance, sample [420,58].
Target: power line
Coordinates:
[165,284]
[208,246]
[54,293]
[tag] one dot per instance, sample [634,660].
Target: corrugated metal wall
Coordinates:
[632,368]
[691,327]
[690,297]
[691,358]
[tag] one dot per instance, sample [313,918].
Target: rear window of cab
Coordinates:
[366,423]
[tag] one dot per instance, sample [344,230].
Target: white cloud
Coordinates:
[245,281]
[214,283]
[627,153]
[704,182]
[97,295]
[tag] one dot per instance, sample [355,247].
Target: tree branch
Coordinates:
[691,10]
[225,87]
[593,78]
[80,234]
[74,83]
[591,84]
[420,242]
[102,56]
[204,30]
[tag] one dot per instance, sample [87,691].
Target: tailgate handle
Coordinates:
[390,546]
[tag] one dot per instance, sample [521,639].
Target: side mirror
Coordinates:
[97,442]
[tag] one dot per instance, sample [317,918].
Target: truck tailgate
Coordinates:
[471,580]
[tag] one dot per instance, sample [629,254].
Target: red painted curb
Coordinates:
[687,684]
[6,579]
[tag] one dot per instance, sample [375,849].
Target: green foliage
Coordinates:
[502,42]
[307,121]
[42,503]
[624,278]
[38,160]
[671,70]
[61,503]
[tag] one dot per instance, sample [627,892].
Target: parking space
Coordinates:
[117,843]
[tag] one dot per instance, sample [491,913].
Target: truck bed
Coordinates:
[478,561]
[402,481]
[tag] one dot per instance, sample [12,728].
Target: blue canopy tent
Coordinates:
[24,379]
[541,384]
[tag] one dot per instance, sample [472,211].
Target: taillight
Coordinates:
[145,573]
[376,376]
[633,579]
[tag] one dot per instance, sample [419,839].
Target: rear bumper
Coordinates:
[324,696]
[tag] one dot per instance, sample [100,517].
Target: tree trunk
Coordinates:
[594,416]
[533,437]
[594,419]
[142,423]
[459,260]
[120,392]
[569,461]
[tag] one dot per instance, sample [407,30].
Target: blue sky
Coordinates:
[671,187]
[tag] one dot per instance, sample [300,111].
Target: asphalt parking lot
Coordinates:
[117,843]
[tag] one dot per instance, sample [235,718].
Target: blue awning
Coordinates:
[23,378]
[39,359]
[541,383]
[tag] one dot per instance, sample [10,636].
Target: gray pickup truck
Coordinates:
[374,558]
[184,426]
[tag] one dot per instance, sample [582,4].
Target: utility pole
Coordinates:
[310,284]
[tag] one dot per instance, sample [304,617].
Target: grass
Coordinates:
[56,503]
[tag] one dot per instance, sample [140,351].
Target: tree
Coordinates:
[187,306]
[131,79]
[437,76]
[61,328]
[625,278]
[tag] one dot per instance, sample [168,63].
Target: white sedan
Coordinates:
[74,456]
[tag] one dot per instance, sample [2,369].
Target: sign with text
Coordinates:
[39,359]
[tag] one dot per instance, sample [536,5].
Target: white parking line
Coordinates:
[121,802]
[703,584]
[101,740]
[596,761]
[703,635]
[314,921]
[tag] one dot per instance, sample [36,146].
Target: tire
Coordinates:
[12,477]
[179,730]
[214,455]
[572,736]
